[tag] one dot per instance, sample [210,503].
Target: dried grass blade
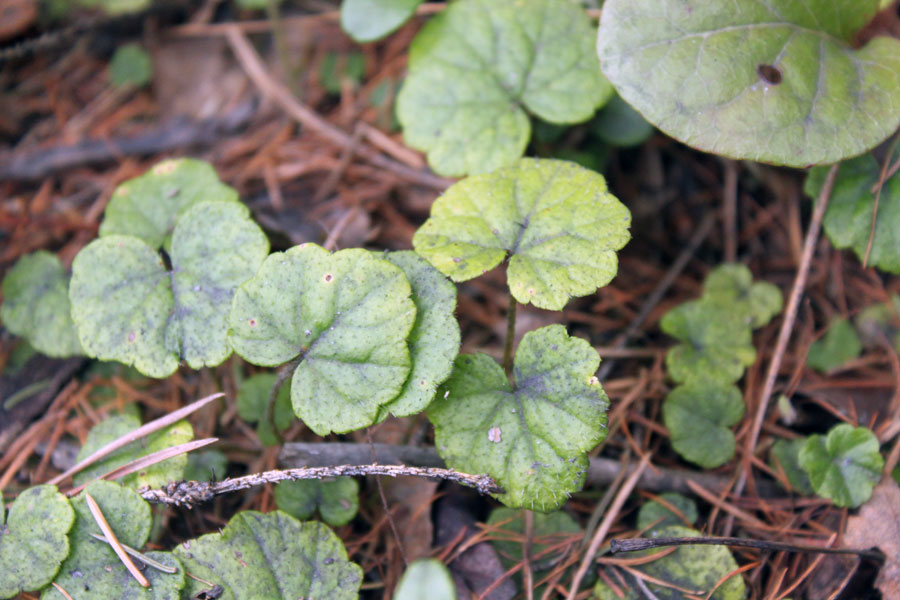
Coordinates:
[114,542]
[140,556]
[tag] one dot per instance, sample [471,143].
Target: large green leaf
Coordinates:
[843,466]
[426,578]
[555,220]
[839,345]
[370,20]
[716,342]
[128,307]
[93,571]
[253,395]
[478,66]
[698,415]
[347,315]
[657,515]
[157,475]
[776,81]
[36,305]
[531,437]
[33,542]
[336,500]
[149,206]
[848,219]
[272,556]
[731,286]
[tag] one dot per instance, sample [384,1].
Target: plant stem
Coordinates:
[638,544]
[510,335]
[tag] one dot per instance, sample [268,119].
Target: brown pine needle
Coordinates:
[114,542]
[140,556]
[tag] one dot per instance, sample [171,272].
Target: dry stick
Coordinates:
[729,210]
[881,179]
[60,589]
[527,573]
[638,544]
[135,435]
[114,542]
[613,513]
[510,335]
[139,555]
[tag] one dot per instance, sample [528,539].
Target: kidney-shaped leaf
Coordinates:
[731,286]
[149,206]
[698,415]
[531,437]
[556,221]
[426,578]
[478,66]
[33,542]
[347,315]
[36,305]
[844,465]
[128,307]
[370,20]
[337,500]
[776,81]
[272,556]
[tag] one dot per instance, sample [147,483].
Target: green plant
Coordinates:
[426,577]
[840,344]
[844,465]
[130,66]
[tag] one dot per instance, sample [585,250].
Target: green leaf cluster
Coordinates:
[336,500]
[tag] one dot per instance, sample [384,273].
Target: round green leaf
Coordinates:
[843,466]
[33,542]
[149,206]
[478,66]
[786,455]
[130,65]
[157,475]
[337,500]
[531,437]
[370,20]
[776,81]
[272,556]
[128,307]
[731,286]
[252,397]
[717,342]
[840,345]
[556,221]
[347,315]
[620,125]
[36,305]
[657,515]
[426,578]
[93,571]
[698,415]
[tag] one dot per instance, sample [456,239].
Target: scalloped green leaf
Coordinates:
[36,305]
[785,454]
[848,218]
[716,343]
[731,286]
[844,465]
[657,515]
[556,222]
[426,578]
[531,437]
[149,206]
[112,428]
[839,345]
[131,65]
[253,394]
[337,500]
[370,20]
[480,67]
[347,315]
[127,307]
[272,556]
[93,571]
[776,81]
[698,415]
[33,541]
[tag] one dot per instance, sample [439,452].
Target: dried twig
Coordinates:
[638,544]
[140,556]
[114,542]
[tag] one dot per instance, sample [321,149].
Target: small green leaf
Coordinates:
[620,125]
[252,397]
[209,465]
[478,66]
[336,68]
[157,475]
[777,81]
[370,20]
[149,206]
[716,343]
[731,286]
[347,315]
[698,415]
[131,65]
[272,556]
[128,307]
[840,345]
[33,542]
[337,500]
[843,466]
[426,578]
[93,571]
[786,455]
[36,305]
[555,220]
[657,515]
[531,437]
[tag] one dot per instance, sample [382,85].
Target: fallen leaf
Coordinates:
[878,525]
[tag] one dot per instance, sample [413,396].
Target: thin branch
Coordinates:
[638,544]
[139,555]
[113,541]
[510,335]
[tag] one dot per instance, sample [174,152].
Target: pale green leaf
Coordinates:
[555,220]
[272,556]
[698,415]
[336,500]
[657,515]
[370,20]
[253,394]
[478,66]
[777,81]
[839,345]
[843,466]
[731,286]
[426,578]
[530,437]
[131,65]
[785,454]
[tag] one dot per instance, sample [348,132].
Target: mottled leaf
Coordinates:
[370,20]
[731,286]
[337,500]
[839,345]
[426,578]
[785,454]
[478,66]
[843,466]
[657,515]
[531,437]
[131,65]
[556,222]
[777,81]
[698,415]
[253,394]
